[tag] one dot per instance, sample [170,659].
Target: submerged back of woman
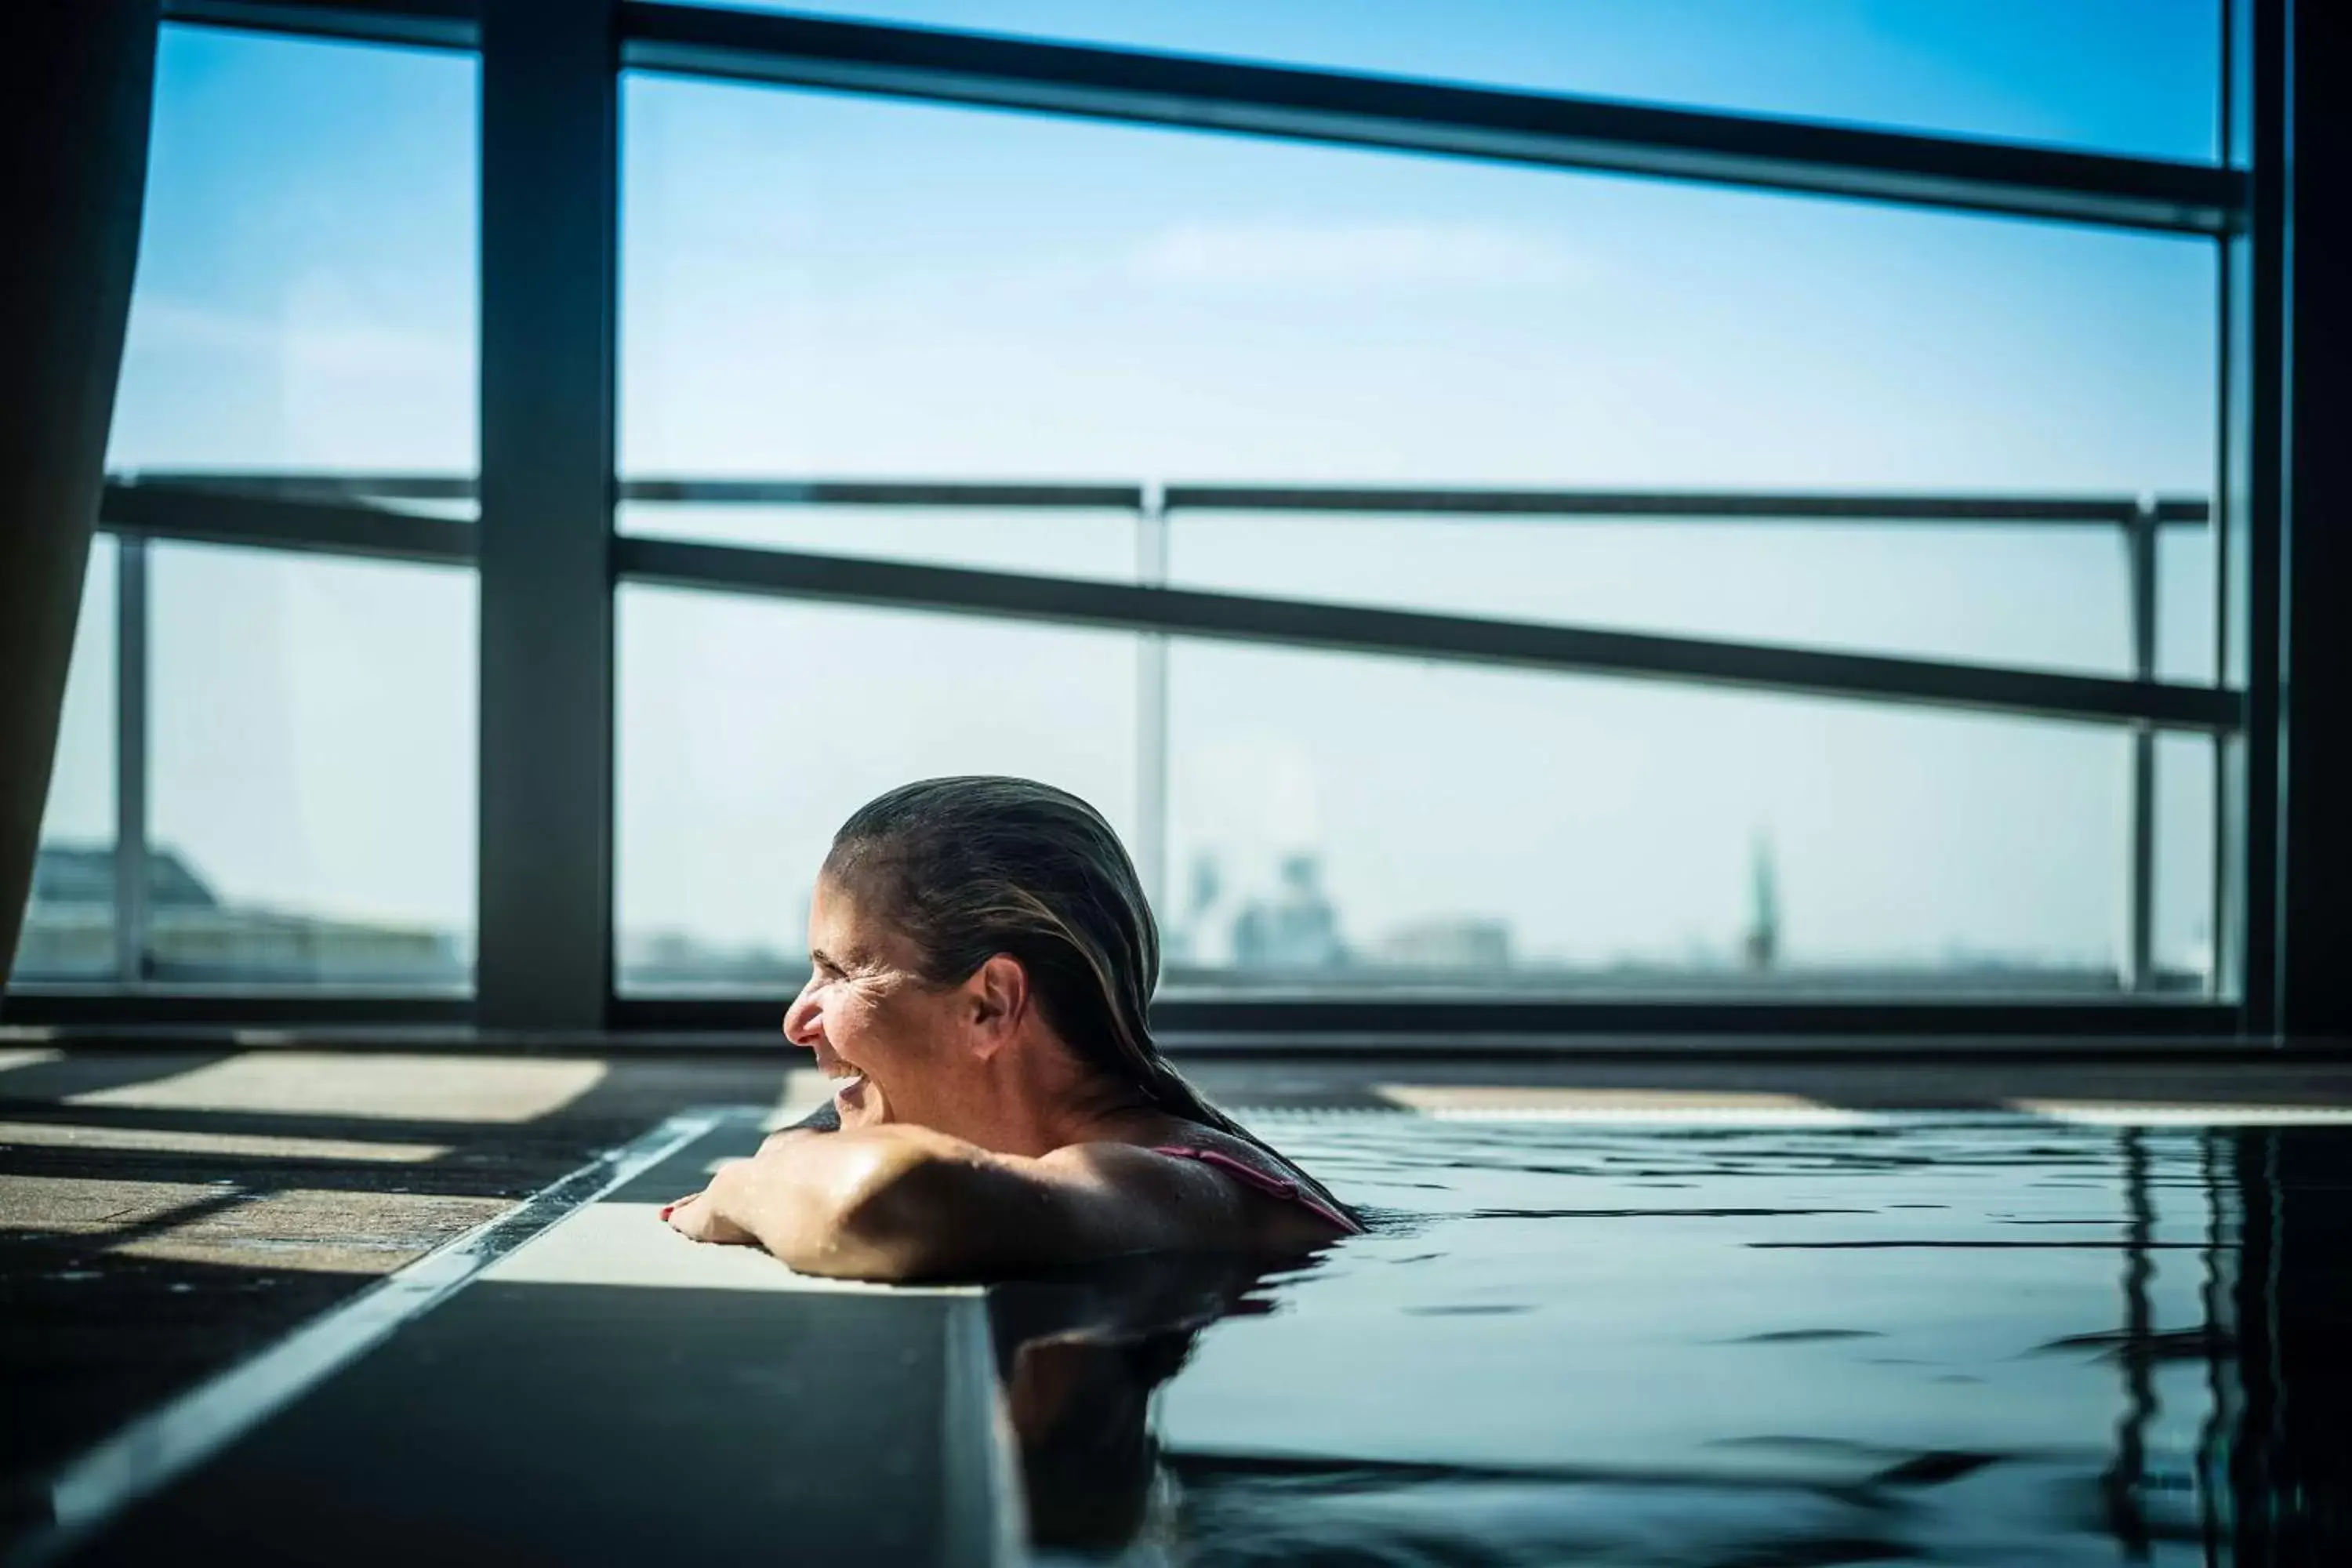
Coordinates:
[982,957]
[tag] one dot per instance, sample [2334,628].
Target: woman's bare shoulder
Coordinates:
[1241,1194]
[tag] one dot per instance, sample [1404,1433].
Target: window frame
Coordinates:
[550,179]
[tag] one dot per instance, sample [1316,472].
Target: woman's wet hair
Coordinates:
[967,868]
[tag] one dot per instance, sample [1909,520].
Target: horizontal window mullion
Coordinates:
[1713,506]
[1697,505]
[335,527]
[881,492]
[347,488]
[1332,106]
[1360,629]
[432,23]
[1433,118]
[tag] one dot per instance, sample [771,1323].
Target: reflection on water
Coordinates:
[1079,1356]
[1962,1340]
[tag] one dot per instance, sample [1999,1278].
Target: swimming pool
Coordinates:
[1745,1340]
[1967,1339]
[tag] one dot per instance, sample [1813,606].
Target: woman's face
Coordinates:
[878,1030]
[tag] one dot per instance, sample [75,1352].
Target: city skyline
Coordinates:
[1296,937]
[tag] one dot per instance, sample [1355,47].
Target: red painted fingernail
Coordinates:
[666,1208]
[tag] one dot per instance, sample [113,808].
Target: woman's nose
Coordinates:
[802,1018]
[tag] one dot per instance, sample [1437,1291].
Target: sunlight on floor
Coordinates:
[314,1230]
[398,1087]
[76,1206]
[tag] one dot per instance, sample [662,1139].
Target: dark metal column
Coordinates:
[2315,980]
[76,78]
[2249,513]
[549,141]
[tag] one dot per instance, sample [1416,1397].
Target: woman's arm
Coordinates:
[906,1202]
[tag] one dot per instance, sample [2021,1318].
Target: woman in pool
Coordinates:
[982,957]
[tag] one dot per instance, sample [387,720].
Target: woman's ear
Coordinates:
[998,996]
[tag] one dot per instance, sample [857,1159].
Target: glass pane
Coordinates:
[1336,820]
[2141,77]
[1060,541]
[751,729]
[2034,595]
[306,261]
[313,750]
[2188,646]
[827,286]
[69,924]
[2182,914]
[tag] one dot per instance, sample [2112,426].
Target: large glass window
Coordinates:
[2139,78]
[2187,614]
[305,304]
[312,746]
[2181,909]
[306,260]
[977,338]
[817,286]
[749,729]
[69,931]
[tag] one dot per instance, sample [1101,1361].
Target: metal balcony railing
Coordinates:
[423,519]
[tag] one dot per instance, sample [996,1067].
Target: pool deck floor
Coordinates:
[168,1212]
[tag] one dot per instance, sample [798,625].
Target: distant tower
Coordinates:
[1763,944]
[1299,929]
[1184,932]
[1207,886]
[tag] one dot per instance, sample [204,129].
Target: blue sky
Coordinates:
[817,284]
[2123,76]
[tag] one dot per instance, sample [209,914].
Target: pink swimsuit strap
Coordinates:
[1271,1186]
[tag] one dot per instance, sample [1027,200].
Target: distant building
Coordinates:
[1186,936]
[192,935]
[1467,941]
[1296,929]
[1761,947]
[69,931]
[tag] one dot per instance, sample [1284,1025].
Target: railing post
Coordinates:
[131,729]
[1151,707]
[2139,541]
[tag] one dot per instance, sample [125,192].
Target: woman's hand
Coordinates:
[844,1203]
[701,1216]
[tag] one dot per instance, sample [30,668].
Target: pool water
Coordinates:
[1967,1339]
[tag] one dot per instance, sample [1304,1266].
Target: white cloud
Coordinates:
[1455,254]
